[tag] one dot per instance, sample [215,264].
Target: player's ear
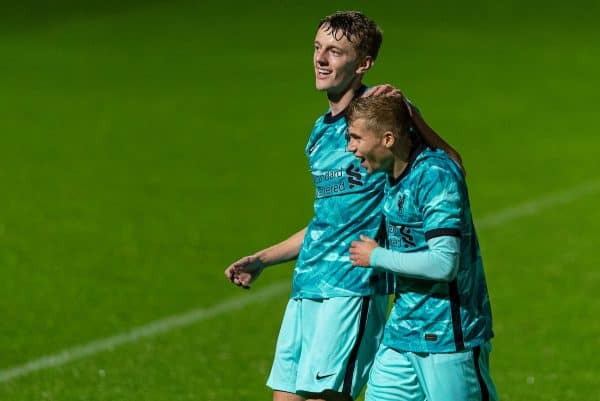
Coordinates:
[365,65]
[389,139]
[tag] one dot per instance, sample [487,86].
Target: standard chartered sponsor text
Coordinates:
[330,182]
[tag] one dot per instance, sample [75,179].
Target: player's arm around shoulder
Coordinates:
[431,138]
[246,270]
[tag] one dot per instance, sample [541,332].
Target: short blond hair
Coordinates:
[381,114]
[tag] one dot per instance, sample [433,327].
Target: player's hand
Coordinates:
[360,251]
[244,271]
[380,90]
[389,90]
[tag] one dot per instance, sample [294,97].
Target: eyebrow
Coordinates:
[329,46]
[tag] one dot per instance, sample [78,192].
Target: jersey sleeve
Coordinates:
[440,198]
[439,262]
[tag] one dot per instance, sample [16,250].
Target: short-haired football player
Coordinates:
[436,343]
[334,320]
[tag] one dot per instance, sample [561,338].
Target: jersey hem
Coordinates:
[404,347]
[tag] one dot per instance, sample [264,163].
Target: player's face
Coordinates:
[335,62]
[369,147]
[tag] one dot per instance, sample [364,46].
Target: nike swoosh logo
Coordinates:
[319,377]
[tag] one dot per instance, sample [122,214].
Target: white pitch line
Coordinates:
[200,314]
[536,205]
[148,330]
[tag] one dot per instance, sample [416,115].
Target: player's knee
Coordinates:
[328,395]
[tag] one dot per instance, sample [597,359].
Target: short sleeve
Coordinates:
[441,201]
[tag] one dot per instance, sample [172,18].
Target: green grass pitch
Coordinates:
[146,145]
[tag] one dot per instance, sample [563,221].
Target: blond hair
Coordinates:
[381,114]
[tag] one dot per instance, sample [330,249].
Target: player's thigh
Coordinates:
[456,376]
[337,354]
[393,378]
[287,351]
[285,396]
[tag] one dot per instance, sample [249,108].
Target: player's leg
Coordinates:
[393,378]
[285,396]
[287,354]
[338,354]
[481,358]
[456,376]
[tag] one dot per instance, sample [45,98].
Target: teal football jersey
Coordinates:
[347,204]
[429,200]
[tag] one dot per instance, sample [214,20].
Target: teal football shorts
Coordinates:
[416,376]
[328,344]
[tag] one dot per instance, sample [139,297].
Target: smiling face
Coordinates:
[378,133]
[336,61]
[372,148]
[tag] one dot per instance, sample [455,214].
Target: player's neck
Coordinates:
[399,166]
[339,102]
[401,158]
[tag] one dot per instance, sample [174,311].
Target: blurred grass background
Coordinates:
[147,144]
